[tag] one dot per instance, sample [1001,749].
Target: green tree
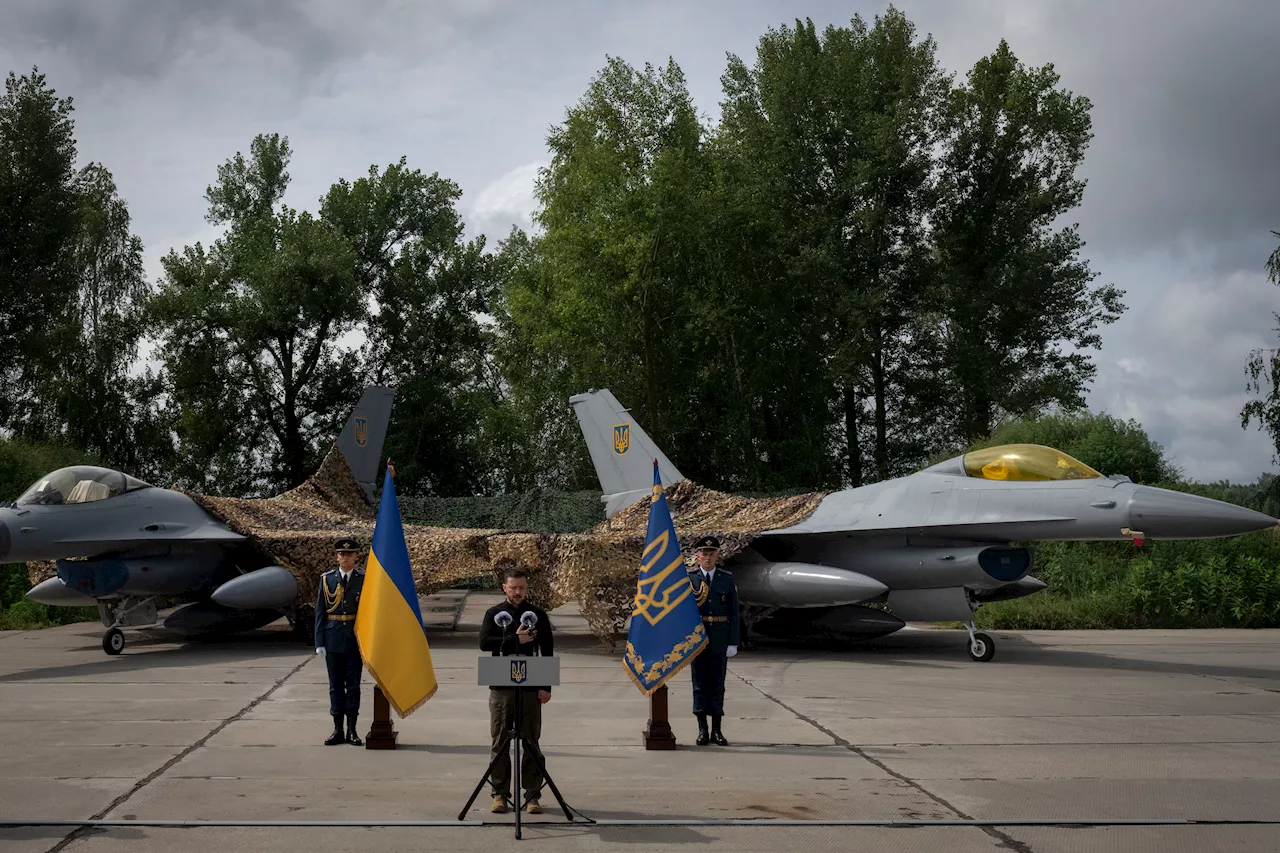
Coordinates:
[1014,291]
[602,296]
[39,207]
[72,292]
[93,402]
[269,335]
[533,444]
[250,329]
[429,290]
[1263,371]
[837,131]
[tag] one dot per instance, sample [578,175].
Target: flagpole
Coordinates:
[658,734]
[382,735]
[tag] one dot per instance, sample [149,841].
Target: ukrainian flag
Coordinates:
[666,628]
[389,628]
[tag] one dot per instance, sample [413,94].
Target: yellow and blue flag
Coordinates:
[389,628]
[666,628]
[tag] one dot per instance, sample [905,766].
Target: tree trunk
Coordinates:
[878,383]
[650,377]
[851,433]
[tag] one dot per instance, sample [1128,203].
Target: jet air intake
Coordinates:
[802,585]
[928,567]
[161,574]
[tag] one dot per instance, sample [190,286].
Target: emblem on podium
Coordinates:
[519,671]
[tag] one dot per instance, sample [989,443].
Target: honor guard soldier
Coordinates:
[717,598]
[337,600]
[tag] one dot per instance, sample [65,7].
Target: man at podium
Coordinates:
[528,633]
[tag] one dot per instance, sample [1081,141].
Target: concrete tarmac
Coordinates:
[1060,726]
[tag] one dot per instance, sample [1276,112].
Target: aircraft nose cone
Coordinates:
[1165,514]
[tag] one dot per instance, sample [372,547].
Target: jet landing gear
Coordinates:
[981,646]
[129,613]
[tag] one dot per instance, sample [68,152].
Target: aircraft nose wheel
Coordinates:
[113,641]
[981,646]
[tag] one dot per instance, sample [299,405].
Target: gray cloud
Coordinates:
[140,39]
[1184,186]
[1186,123]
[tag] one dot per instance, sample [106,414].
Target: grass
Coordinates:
[18,613]
[1225,583]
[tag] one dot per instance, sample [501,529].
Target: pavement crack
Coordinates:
[1004,840]
[144,782]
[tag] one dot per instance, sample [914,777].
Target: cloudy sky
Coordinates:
[1184,169]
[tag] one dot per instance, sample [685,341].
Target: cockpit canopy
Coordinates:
[79,484]
[1025,462]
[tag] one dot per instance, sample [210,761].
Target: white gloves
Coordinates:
[733,650]
[320,650]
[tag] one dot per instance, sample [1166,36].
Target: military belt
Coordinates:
[715,618]
[342,618]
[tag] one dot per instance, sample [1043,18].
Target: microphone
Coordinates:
[503,620]
[529,621]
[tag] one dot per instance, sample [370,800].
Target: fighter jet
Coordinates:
[932,546]
[122,544]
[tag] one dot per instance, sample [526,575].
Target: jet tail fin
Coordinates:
[362,436]
[620,449]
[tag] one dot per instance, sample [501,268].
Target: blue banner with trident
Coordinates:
[666,628]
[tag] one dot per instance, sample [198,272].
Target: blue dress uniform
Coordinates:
[337,601]
[718,603]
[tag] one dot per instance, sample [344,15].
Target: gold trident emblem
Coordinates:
[652,601]
[362,431]
[621,438]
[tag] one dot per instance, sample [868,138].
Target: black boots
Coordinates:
[335,738]
[716,736]
[715,732]
[338,737]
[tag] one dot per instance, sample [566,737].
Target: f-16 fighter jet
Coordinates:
[122,544]
[933,546]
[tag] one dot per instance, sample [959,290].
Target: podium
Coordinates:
[516,672]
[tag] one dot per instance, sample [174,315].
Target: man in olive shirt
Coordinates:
[516,640]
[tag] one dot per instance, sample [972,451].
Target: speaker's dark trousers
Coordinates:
[502,713]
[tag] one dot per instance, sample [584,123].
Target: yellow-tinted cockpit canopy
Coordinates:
[1025,462]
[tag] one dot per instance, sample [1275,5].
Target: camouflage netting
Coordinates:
[596,568]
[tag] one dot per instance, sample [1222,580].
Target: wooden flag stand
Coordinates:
[658,734]
[381,735]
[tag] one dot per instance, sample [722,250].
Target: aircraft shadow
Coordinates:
[238,650]
[941,649]
[947,649]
